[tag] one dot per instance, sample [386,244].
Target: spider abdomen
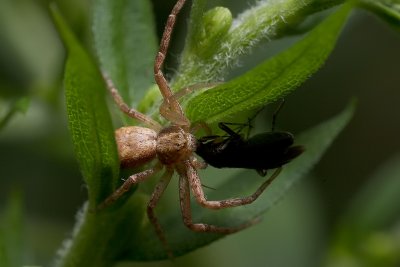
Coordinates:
[136,145]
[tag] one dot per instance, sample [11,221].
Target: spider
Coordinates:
[172,147]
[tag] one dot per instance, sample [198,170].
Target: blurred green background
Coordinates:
[36,157]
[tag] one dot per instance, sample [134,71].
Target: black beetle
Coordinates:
[264,151]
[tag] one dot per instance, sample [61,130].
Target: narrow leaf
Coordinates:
[93,138]
[389,10]
[207,60]
[126,44]
[376,206]
[319,5]
[21,105]
[367,234]
[316,141]
[12,249]
[100,238]
[273,79]
[88,118]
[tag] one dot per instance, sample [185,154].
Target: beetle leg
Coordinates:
[224,126]
[275,115]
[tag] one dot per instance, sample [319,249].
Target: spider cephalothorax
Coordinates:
[174,145]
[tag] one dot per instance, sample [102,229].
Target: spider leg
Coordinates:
[126,186]
[173,105]
[165,40]
[155,197]
[184,197]
[190,89]
[198,164]
[198,192]
[197,126]
[178,118]
[133,113]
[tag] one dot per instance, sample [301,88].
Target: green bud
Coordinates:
[215,25]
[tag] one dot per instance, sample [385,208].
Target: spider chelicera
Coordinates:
[172,148]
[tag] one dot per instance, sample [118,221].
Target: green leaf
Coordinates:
[367,234]
[146,246]
[273,79]
[389,10]
[93,138]
[21,105]
[376,205]
[319,5]
[126,44]
[101,238]
[12,249]
[121,233]
[88,118]
[36,60]
[205,60]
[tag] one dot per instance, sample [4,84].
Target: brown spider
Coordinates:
[173,147]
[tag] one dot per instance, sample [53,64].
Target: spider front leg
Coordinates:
[164,44]
[131,112]
[173,105]
[184,196]
[171,114]
[195,184]
[127,185]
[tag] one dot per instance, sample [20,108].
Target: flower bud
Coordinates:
[215,25]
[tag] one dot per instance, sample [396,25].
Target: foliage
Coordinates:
[19,106]
[126,43]
[214,44]
[368,233]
